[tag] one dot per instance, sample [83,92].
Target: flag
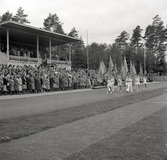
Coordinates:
[134,69]
[100,73]
[134,72]
[115,69]
[122,71]
[141,70]
[103,67]
[110,68]
[125,65]
[131,69]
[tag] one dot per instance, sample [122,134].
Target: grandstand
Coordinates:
[22,44]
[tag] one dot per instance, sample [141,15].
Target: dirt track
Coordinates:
[21,105]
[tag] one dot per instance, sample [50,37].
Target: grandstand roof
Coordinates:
[27,34]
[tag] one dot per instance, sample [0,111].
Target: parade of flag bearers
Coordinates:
[127,78]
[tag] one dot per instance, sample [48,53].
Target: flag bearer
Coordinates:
[119,84]
[129,84]
[108,84]
[145,82]
[137,83]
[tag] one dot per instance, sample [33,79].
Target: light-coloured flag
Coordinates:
[131,69]
[125,65]
[141,70]
[110,68]
[134,69]
[103,67]
[100,73]
[115,68]
[122,71]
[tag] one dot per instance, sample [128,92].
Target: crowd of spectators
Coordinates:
[19,50]
[27,79]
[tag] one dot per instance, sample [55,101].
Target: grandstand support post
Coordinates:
[38,49]
[50,51]
[7,46]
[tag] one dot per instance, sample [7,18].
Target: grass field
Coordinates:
[16,128]
[144,140]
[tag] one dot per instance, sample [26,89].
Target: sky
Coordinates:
[100,21]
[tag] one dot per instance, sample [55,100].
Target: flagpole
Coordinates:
[87,53]
[144,61]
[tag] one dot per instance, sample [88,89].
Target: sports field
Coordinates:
[85,125]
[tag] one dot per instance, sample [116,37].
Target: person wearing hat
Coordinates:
[20,83]
[11,84]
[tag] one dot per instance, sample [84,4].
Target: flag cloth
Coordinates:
[134,73]
[122,71]
[100,73]
[141,70]
[110,68]
[125,65]
[103,67]
[134,69]
[115,69]
[131,69]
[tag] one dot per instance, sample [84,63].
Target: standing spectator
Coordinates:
[65,79]
[70,82]
[47,83]
[61,82]
[15,85]
[43,82]
[88,82]
[56,79]
[32,81]
[51,82]
[5,82]
[11,84]
[20,83]
[24,81]
[74,82]
[39,85]
[28,81]
[1,83]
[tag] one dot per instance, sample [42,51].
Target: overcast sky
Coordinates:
[104,20]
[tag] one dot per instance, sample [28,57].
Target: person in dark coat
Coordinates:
[28,81]
[11,84]
[1,83]
[52,82]
[24,85]
[39,85]
[5,82]
[32,84]
[61,82]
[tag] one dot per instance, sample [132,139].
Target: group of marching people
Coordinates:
[128,81]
